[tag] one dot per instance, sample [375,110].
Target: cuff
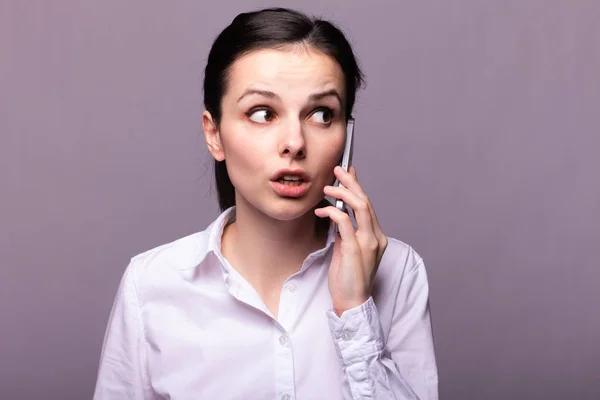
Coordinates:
[357,334]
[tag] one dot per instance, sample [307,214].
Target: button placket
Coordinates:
[292,287]
[284,365]
[284,340]
[288,305]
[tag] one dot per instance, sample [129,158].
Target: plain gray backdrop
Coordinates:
[477,139]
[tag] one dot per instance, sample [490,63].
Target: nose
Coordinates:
[293,142]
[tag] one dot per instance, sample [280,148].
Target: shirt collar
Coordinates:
[215,234]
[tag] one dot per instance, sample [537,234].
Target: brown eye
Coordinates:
[322,116]
[262,116]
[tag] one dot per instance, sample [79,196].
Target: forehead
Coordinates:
[299,70]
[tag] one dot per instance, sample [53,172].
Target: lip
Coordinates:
[286,171]
[289,190]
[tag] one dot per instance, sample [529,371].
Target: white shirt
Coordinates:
[186,325]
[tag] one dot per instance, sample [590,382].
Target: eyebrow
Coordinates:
[327,93]
[264,93]
[275,96]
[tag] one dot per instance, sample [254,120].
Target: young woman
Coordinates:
[270,302]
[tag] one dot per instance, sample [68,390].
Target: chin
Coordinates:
[285,209]
[289,209]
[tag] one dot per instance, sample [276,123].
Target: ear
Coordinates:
[212,136]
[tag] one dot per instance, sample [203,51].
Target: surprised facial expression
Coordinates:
[282,128]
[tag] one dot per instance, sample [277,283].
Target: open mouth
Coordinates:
[291,182]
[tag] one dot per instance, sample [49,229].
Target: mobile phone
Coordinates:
[346,157]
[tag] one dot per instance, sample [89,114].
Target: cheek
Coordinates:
[243,158]
[330,154]
[334,151]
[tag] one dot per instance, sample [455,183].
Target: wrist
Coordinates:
[341,308]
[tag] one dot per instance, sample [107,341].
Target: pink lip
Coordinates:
[288,190]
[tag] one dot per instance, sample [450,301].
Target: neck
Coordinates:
[266,251]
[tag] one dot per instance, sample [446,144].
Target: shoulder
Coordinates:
[400,258]
[167,261]
[175,254]
[400,267]
[400,279]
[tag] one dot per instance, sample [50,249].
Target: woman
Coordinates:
[269,302]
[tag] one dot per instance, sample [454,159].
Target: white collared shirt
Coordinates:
[185,325]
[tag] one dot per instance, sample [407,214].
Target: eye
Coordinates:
[322,116]
[261,115]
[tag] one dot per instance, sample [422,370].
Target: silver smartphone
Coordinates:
[346,157]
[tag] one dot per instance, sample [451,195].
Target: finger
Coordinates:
[343,221]
[359,206]
[353,172]
[376,226]
[349,181]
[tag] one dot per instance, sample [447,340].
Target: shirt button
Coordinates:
[347,335]
[292,287]
[284,340]
[286,396]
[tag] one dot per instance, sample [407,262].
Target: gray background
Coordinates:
[477,139]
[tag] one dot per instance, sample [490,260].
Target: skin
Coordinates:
[271,120]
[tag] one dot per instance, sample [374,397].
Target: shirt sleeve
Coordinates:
[404,367]
[122,372]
